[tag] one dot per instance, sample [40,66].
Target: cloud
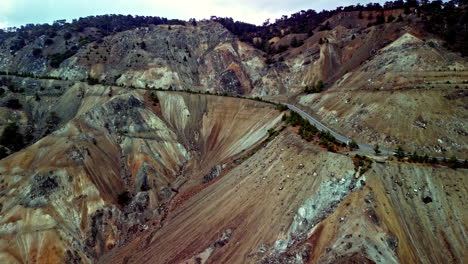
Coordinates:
[19,12]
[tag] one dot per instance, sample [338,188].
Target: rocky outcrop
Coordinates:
[177,58]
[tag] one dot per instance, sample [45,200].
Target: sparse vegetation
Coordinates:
[353,145]
[12,138]
[48,42]
[400,153]
[154,98]
[296,43]
[325,26]
[362,163]
[13,104]
[454,163]
[308,131]
[377,149]
[380,19]
[3,152]
[317,88]
[67,36]
[272,133]
[124,198]
[92,81]
[52,122]
[37,52]
[281,107]
[328,141]
[57,58]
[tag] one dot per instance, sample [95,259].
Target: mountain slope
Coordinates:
[409,93]
[94,183]
[293,202]
[126,160]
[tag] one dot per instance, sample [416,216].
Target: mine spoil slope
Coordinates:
[410,93]
[95,182]
[117,170]
[296,203]
[389,84]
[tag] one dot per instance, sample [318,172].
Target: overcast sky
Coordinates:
[20,12]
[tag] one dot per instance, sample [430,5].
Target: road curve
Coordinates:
[339,137]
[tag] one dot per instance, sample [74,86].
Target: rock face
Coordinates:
[115,167]
[177,57]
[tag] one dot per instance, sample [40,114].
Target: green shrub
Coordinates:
[37,52]
[124,198]
[12,138]
[92,81]
[13,104]
[154,98]
[294,119]
[281,107]
[328,136]
[317,88]
[57,58]
[3,152]
[415,157]
[362,162]
[453,162]
[48,42]
[52,122]
[400,153]
[377,149]
[67,36]
[353,145]
[296,43]
[272,133]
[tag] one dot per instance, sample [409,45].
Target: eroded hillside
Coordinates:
[410,93]
[125,160]
[292,202]
[167,57]
[98,180]
[389,84]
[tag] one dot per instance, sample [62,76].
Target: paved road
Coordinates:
[339,137]
[362,146]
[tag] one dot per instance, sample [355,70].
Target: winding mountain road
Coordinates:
[339,137]
[362,146]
